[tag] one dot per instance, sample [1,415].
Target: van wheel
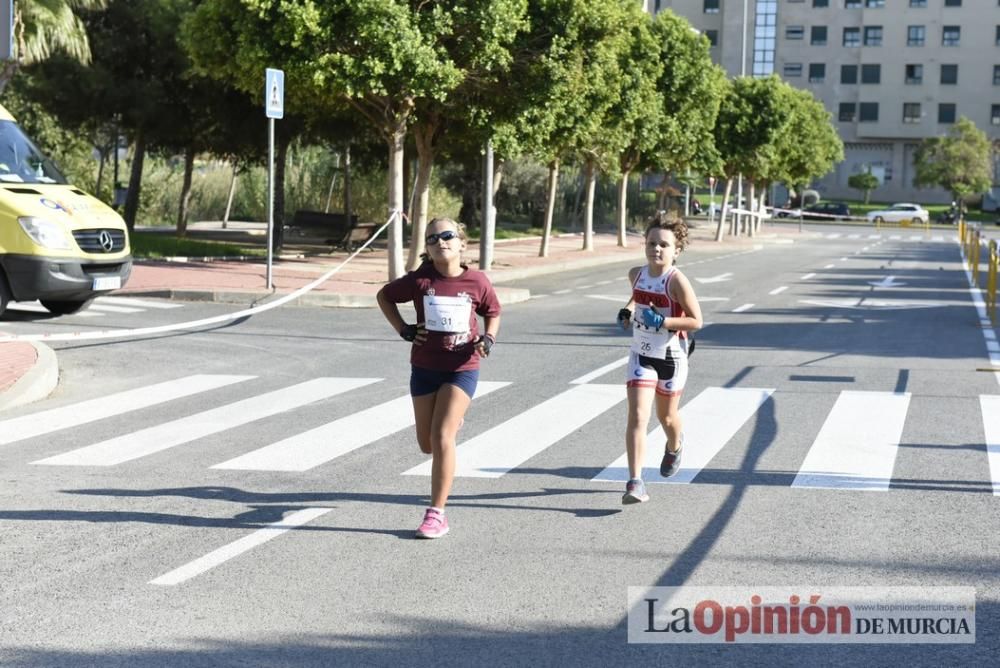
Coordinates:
[5,296]
[66,307]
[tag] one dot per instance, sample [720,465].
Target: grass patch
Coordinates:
[154,245]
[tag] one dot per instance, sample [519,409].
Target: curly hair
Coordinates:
[667,220]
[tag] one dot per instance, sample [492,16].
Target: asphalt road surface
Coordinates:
[246,495]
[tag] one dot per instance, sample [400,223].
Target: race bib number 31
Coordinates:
[447,314]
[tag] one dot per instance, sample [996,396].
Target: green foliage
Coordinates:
[146,244]
[807,146]
[866,182]
[751,117]
[960,162]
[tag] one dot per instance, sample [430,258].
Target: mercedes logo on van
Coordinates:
[107,243]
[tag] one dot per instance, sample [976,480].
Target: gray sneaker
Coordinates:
[635,492]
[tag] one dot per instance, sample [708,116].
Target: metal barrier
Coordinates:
[914,222]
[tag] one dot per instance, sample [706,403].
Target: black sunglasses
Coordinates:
[447,235]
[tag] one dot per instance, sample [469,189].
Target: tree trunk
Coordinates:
[468,213]
[580,187]
[135,181]
[725,210]
[279,191]
[752,218]
[550,207]
[100,171]
[588,215]
[184,207]
[761,207]
[622,208]
[229,200]
[424,137]
[348,193]
[395,140]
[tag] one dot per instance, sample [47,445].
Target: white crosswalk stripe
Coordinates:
[170,434]
[856,446]
[134,301]
[710,420]
[318,446]
[990,405]
[511,443]
[74,415]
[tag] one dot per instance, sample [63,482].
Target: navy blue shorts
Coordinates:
[428,381]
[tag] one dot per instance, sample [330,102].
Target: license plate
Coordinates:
[107,283]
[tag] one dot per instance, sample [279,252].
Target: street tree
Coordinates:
[865,182]
[960,162]
[44,27]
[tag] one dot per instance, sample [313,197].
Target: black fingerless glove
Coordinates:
[409,332]
[624,315]
[487,340]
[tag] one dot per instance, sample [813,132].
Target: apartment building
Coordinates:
[891,72]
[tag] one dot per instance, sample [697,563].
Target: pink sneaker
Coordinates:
[435,525]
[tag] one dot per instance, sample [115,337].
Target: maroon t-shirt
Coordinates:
[446,351]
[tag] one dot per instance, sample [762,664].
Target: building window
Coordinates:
[952,3]
[852,36]
[764,33]
[918,3]
[995,114]
[949,74]
[996,75]
[946,112]
[821,3]
[711,6]
[852,4]
[873,35]
[951,35]
[713,37]
[871,74]
[915,35]
[792,69]
[817,35]
[874,3]
[846,112]
[817,72]
[794,32]
[848,74]
[911,112]
[868,112]
[914,74]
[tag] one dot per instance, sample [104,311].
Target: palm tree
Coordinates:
[42,27]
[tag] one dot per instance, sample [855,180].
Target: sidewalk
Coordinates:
[29,371]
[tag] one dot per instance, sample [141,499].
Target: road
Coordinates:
[247,495]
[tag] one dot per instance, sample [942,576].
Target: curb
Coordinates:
[37,383]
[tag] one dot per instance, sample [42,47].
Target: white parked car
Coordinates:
[903,212]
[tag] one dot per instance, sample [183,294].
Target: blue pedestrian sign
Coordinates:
[274,93]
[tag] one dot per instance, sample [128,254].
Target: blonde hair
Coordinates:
[459,227]
[670,221]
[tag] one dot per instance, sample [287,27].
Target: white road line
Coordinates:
[778,291]
[710,420]
[808,276]
[132,301]
[109,308]
[843,259]
[236,548]
[607,282]
[28,306]
[990,405]
[853,236]
[610,298]
[874,236]
[833,236]
[856,446]
[895,237]
[830,266]
[312,448]
[740,309]
[509,444]
[562,292]
[169,434]
[584,287]
[597,373]
[538,296]
[74,415]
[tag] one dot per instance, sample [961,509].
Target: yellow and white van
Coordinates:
[58,244]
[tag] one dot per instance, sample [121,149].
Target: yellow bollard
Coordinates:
[974,257]
[991,282]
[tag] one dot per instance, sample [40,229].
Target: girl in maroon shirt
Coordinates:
[447,296]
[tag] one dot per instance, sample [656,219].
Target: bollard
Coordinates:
[974,257]
[991,282]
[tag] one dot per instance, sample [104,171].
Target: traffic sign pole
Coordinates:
[274,107]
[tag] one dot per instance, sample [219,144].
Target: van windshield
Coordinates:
[21,161]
